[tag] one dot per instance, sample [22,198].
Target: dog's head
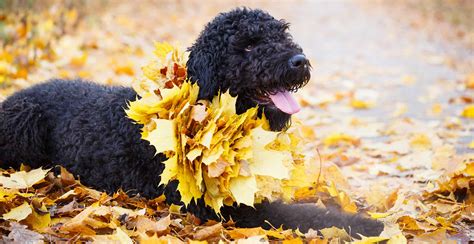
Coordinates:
[251,54]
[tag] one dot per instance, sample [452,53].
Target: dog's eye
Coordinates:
[248,48]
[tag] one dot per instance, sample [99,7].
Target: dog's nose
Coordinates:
[298,60]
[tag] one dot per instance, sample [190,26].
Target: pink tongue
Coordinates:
[285,102]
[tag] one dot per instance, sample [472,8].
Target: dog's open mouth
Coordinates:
[281,99]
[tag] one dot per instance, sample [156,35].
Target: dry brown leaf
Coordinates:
[240,233]
[20,234]
[145,224]
[438,236]
[67,178]
[217,168]
[79,224]
[208,231]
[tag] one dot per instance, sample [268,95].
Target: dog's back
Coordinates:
[77,124]
[25,118]
[83,127]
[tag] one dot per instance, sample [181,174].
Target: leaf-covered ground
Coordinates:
[390,108]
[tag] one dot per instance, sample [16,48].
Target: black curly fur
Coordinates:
[247,52]
[83,127]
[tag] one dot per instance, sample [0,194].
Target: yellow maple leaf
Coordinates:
[188,187]
[170,170]
[342,198]
[468,112]
[265,161]
[469,170]
[397,239]
[420,141]
[19,213]
[164,138]
[359,104]
[340,138]
[370,240]
[22,179]
[279,233]
[471,145]
[299,180]
[125,69]
[239,233]
[408,223]
[243,189]
[163,49]
[119,236]
[79,61]
[376,215]
[39,220]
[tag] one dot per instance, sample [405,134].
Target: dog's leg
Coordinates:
[301,216]
[22,133]
[293,216]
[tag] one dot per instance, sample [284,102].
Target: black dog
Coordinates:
[83,127]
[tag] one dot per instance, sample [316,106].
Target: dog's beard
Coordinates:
[275,100]
[277,119]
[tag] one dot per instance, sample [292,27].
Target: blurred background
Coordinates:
[106,40]
[409,57]
[390,102]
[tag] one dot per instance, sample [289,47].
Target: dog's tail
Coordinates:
[22,133]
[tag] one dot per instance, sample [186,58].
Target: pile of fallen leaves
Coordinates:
[445,207]
[37,206]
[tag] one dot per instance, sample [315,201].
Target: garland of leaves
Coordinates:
[212,151]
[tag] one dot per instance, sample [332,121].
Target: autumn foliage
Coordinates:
[410,173]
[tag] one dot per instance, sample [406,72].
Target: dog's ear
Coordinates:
[202,68]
